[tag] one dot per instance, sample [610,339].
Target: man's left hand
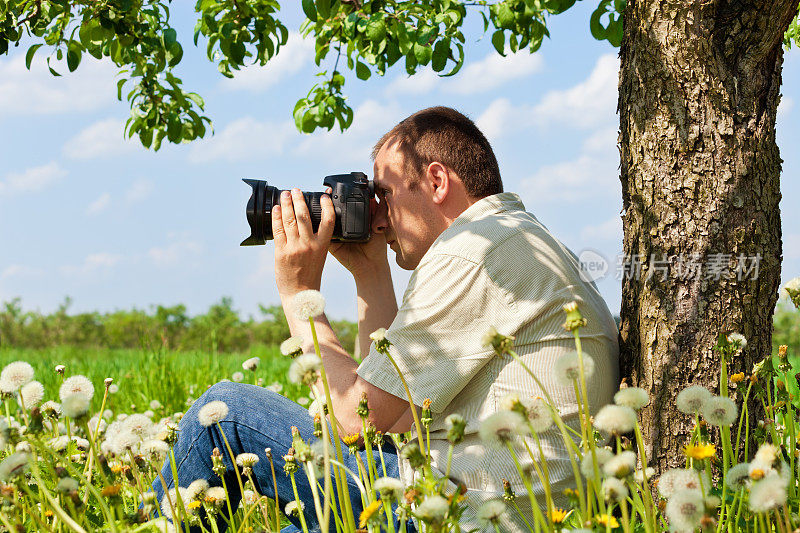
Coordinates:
[299,252]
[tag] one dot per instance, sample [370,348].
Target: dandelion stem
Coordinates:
[540,520]
[299,504]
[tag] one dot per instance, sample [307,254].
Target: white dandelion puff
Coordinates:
[685,509]
[216,496]
[691,399]
[292,346]
[489,512]
[113,388]
[738,340]
[614,489]
[633,397]
[303,400]
[615,419]
[308,304]
[246,459]
[138,424]
[292,508]
[51,409]
[251,364]
[621,465]
[738,476]
[639,476]
[389,488]
[197,489]
[249,497]
[125,441]
[500,428]
[539,414]
[77,384]
[75,405]
[768,493]
[275,387]
[16,375]
[14,465]
[212,412]
[567,368]
[155,405]
[767,453]
[32,393]
[433,509]
[67,485]
[719,411]
[170,502]
[238,377]
[603,456]
[154,449]
[378,335]
[676,479]
[304,368]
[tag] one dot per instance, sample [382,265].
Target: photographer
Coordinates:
[479,261]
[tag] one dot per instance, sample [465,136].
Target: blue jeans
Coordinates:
[257,419]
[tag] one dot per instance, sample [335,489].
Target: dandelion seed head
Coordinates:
[32,393]
[738,340]
[251,364]
[216,496]
[633,397]
[433,510]
[16,375]
[14,465]
[197,489]
[75,405]
[275,387]
[639,475]
[603,455]
[291,508]
[238,377]
[77,384]
[500,428]
[212,412]
[303,400]
[768,493]
[738,476]
[691,399]
[615,419]
[67,485]
[113,388]
[621,465]
[292,346]
[51,409]
[170,502]
[767,453]
[378,335]
[246,459]
[685,509]
[389,488]
[676,479]
[138,424]
[308,304]
[304,369]
[719,411]
[538,414]
[249,497]
[567,368]
[489,512]
[154,449]
[124,441]
[614,489]
[155,405]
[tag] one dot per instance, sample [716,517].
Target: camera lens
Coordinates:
[259,210]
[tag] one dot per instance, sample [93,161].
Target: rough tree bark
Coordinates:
[699,91]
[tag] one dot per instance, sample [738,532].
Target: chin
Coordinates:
[405,264]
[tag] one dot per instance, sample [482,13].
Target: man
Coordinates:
[479,260]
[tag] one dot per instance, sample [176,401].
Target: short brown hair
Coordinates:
[444,135]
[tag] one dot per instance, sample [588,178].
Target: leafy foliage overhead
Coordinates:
[369,36]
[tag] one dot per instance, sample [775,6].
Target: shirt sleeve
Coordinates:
[437,334]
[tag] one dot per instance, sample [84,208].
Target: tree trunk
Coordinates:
[699,91]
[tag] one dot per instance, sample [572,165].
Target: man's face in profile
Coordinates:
[406,214]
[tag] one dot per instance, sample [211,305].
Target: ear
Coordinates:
[438,177]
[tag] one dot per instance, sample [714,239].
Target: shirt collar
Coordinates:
[490,205]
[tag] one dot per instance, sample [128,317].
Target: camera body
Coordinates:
[350,194]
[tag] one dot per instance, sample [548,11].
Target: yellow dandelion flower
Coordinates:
[371,510]
[700,451]
[111,491]
[48,513]
[607,520]
[756,474]
[350,440]
[736,378]
[557,515]
[194,505]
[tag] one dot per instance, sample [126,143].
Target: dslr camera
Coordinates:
[350,194]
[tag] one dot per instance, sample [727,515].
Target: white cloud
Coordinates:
[99,205]
[610,230]
[291,58]
[172,254]
[371,120]
[602,141]
[489,73]
[138,191]
[101,139]
[588,104]
[92,264]
[34,179]
[244,138]
[19,271]
[24,92]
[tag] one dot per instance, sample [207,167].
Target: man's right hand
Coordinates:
[363,258]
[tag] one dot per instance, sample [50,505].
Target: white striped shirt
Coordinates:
[496,265]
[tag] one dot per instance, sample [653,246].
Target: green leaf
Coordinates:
[73,55]
[362,71]
[170,36]
[120,83]
[29,55]
[324,9]
[197,99]
[310,10]
[499,42]
[505,17]
[174,129]
[441,51]
[423,54]
[459,62]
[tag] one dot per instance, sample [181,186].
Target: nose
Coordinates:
[380,219]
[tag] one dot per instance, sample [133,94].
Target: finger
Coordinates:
[328,190]
[278,233]
[301,214]
[328,220]
[287,215]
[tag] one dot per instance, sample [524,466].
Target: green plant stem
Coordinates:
[649,505]
[540,520]
[300,511]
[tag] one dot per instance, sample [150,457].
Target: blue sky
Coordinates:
[85,213]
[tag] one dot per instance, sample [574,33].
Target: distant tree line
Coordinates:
[219,329]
